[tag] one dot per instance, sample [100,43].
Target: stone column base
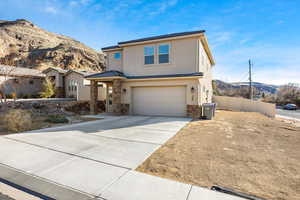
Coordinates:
[125,109]
[194,111]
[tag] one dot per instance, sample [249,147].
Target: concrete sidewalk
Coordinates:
[96,160]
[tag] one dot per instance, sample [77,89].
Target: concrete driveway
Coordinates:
[87,157]
[95,160]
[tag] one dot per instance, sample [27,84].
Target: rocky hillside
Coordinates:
[228,89]
[24,44]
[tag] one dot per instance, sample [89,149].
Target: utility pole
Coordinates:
[250,81]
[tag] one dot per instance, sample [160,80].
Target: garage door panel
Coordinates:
[160,101]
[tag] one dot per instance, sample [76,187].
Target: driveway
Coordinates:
[93,160]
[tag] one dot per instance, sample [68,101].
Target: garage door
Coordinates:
[160,101]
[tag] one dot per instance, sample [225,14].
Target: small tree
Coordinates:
[49,90]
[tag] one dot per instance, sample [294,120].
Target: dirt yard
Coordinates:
[247,152]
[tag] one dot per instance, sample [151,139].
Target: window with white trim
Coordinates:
[163,53]
[149,55]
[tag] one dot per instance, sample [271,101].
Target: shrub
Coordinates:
[49,90]
[18,120]
[57,119]
[14,95]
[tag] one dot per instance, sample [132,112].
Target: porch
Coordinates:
[113,82]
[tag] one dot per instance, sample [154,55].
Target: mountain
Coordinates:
[262,87]
[240,88]
[26,45]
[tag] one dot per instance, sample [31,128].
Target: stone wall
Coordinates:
[194,111]
[116,96]
[23,87]
[94,97]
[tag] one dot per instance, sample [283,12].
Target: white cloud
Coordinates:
[51,10]
[74,3]
[163,6]
[220,38]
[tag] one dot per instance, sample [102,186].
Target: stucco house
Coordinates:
[71,83]
[24,82]
[166,75]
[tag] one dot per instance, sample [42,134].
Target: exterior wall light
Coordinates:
[124,90]
[192,89]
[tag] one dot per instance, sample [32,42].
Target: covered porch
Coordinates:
[113,81]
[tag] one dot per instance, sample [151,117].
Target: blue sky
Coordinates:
[267,31]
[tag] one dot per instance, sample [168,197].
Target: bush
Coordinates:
[57,119]
[18,120]
[49,90]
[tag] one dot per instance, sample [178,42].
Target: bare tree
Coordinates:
[289,93]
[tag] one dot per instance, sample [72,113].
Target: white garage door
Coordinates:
[160,101]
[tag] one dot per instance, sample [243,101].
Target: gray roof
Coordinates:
[82,72]
[155,38]
[20,71]
[120,74]
[111,47]
[60,70]
[106,74]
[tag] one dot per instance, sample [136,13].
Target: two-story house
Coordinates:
[166,75]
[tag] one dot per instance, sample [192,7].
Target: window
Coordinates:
[149,55]
[70,85]
[117,55]
[163,53]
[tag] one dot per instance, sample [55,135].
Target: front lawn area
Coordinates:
[247,152]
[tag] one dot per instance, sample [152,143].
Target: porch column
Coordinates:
[116,96]
[94,97]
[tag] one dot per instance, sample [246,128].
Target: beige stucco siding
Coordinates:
[83,90]
[112,63]
[84,93]
[58,77]
[73,76]
[183,58]
[205,83]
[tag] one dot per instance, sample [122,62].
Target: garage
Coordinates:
[159,101]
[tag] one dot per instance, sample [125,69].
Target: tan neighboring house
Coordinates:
[24,82]
[167,75]
[71,84]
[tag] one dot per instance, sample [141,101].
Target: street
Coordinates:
[289,113]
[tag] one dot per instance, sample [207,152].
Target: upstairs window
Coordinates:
[149,55]
[163,53]
[117,55]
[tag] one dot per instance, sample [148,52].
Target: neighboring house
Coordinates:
[57,76]
[167,75]
[71,83]
[23,82]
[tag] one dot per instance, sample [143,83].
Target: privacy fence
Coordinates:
[241,104]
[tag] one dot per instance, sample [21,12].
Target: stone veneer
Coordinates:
[194,111]
[94,97]
[116,96]
[125,109]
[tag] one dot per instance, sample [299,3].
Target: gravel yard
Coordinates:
[247,152]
